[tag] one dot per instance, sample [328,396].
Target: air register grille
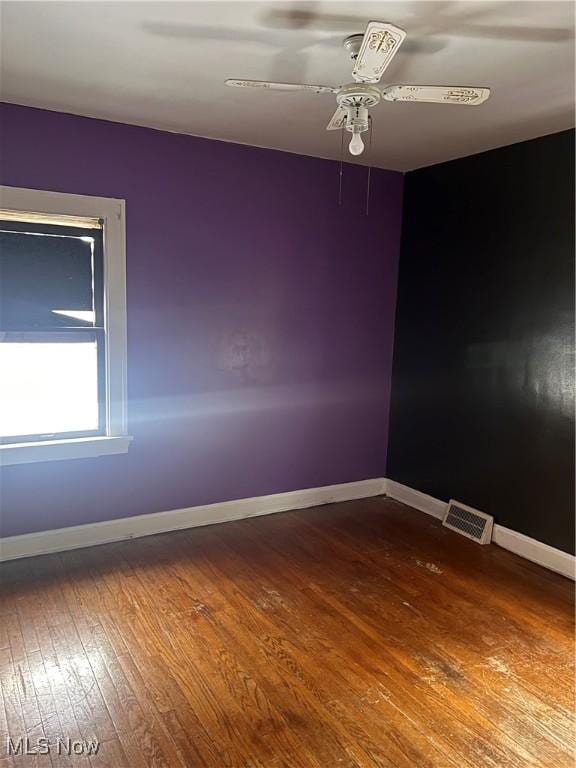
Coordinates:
[469,522]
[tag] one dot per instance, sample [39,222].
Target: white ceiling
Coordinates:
[163,64]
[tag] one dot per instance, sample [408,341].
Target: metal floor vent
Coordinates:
[469,522]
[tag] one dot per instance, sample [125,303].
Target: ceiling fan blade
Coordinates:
[379,46]
[337,120]
[437,94]
[280,86]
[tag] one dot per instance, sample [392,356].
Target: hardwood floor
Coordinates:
[352,635]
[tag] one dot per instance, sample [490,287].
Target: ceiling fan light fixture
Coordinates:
[356,123]
[356,145]
[357,119]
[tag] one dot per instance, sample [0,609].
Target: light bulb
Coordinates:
[356,144]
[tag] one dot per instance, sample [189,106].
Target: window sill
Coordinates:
[55,450]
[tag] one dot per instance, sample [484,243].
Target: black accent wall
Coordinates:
[483,381]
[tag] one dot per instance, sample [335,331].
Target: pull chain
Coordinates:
[369,166]
[341,167]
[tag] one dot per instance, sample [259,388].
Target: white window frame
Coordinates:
[112,213]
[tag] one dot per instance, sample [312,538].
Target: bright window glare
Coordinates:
[47,388]
[78,314]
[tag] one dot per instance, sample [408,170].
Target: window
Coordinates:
[62,326]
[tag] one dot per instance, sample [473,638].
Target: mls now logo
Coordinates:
[42,746]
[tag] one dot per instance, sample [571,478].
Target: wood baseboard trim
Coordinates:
[414,498]
[531,549]
[92,534]
[536,551]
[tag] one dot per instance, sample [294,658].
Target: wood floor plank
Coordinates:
[357,635]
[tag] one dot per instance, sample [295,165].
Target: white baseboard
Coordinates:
[531,549]
[534,550]
[78,536]
[416,499]
[91,534]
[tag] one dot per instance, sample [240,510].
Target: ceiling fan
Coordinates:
[371,53]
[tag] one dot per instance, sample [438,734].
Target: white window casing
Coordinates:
[112,214]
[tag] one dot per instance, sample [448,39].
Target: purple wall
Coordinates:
[260,319]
